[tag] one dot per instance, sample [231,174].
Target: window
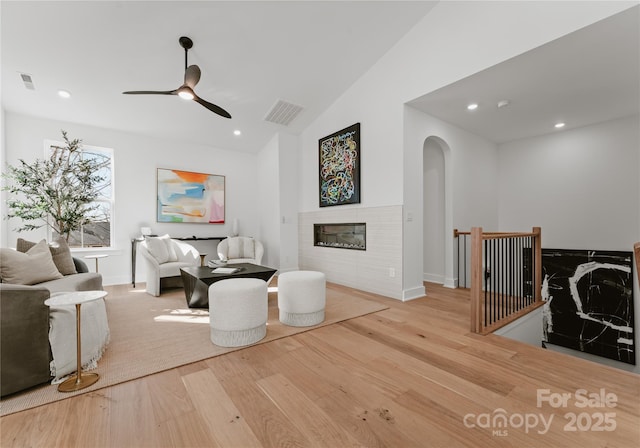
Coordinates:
[97,233]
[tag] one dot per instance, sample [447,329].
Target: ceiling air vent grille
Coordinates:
[283,113]
[28,82]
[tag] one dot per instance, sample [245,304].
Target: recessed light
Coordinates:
[237,132]
[503,103]
[559,125]
[64,94]
[472,106]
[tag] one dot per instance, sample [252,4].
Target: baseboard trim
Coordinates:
[413,293]
[433,278]
[450,282]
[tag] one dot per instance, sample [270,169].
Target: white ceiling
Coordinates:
[588,76]
[305,52]
[251,54]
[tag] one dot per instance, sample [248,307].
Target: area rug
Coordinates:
[152,334]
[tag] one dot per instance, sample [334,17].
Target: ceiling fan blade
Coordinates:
[212,107]
[192,76]
[150,92]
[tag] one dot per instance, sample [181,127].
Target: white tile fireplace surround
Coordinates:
[377,269]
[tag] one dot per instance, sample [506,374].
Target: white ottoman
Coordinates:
[238,311]
[301,298]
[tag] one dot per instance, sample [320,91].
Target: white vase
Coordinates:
[234,231]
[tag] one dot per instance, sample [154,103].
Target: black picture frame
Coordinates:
[339,167]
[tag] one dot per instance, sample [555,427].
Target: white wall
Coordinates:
[471,189]
[269,201]
[3,194]
[527,329]
[278,201]
[454,40]
[289,181]
[580,186]
[136,159]
[433,191]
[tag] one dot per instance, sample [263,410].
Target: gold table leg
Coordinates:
[80,380]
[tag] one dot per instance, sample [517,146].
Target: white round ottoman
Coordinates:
[301,298]
[238,311]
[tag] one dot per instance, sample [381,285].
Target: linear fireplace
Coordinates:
[340,235]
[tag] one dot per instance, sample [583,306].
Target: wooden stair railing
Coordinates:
[506,277]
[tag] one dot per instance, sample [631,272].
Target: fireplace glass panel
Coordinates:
[342,236]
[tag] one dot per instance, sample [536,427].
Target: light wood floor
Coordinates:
[409,376]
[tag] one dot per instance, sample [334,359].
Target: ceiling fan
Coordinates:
[185,91]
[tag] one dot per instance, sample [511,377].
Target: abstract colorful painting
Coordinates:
[340,167]
[184,196]
[589,302]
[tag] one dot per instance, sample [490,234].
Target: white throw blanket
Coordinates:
[94,330]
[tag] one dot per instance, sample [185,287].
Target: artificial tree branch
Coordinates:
[61,187]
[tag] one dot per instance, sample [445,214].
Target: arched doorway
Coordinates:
[436,213]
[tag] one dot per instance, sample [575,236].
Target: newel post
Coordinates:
[476,279]
[636,250]
[537,260]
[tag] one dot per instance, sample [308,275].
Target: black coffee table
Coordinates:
[197,280]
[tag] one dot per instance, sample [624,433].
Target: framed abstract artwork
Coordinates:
[339,160]
[185,196]
[589,302]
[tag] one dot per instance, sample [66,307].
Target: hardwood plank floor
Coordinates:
[408,376]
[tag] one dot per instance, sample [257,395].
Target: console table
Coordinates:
[135,241]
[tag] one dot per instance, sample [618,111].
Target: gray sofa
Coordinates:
[25,354]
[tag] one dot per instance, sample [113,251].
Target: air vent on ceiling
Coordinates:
[283,113]
[28,82]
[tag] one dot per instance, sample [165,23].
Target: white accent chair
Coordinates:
[301,298]
[238,311]
[163,258]
[240,249]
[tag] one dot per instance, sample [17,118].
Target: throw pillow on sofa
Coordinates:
[34,266]
[59,251]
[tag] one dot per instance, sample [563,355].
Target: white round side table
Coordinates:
[77,298]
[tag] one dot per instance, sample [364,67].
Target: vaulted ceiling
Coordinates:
[254,53]
[251,53]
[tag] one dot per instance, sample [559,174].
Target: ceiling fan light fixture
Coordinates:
[185,93]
